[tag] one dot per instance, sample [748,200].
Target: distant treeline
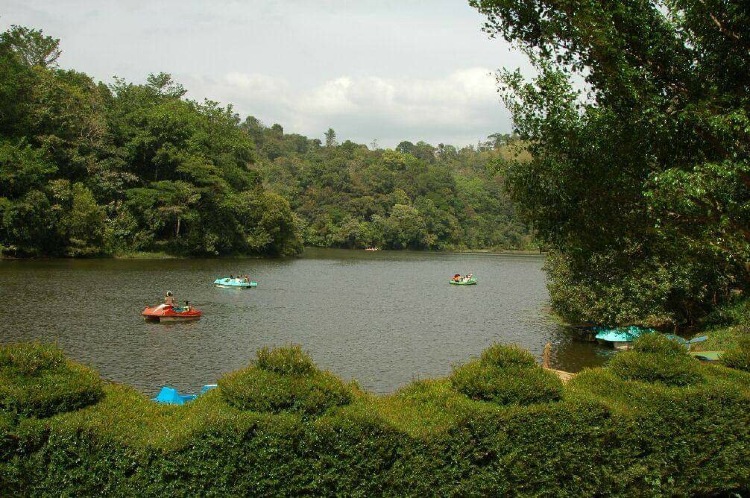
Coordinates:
[90,169]
[414,197]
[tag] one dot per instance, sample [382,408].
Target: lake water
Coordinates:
[382,318]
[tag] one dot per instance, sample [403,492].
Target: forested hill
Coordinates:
[91,169]
[414,197]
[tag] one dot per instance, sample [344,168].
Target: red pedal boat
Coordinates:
[168,313]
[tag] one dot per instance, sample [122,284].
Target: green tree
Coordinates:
[32,47]
[270,225]
[330,138]
[82,223]
[639,181]
[29,225]
[405,228]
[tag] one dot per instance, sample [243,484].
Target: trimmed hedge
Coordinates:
[37,380]
[605,437]
[502,356]
[658,344]
[507,375]
[739,356]
[655,358]
[284,380]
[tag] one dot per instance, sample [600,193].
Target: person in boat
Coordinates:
[169,299]
[457,277]
[246,278]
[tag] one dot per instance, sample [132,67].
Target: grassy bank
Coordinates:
[656,423]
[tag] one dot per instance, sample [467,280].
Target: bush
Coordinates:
[607,437]
[734,312]
[289,360]
[506,375]
[659,344]
[502,356]
[738,357]
[507,386]
[37,380]
[30,359]
[671,370]
[284,380]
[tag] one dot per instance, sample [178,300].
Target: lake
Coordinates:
[381,318]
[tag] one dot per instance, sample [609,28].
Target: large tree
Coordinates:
[638,122]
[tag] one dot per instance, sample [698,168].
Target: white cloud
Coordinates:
[389,70]
[463,104]
[332,98]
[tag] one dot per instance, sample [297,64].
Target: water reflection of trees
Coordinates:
[574,350]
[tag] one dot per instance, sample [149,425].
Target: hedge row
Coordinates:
[284,380]
[604,436]
[507,375]
[37,380]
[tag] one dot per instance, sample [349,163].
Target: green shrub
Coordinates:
[607,437]
[30,359]
[659,344]
[355,452]
[671,370]
[506,386]
[37,380]
[290,360]
[284,380]
[502,356]
[738,357]
[735,312]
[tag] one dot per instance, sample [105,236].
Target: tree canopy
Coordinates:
[637,121]
[90,169]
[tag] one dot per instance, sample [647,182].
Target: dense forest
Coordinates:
[638,121]
[89,169]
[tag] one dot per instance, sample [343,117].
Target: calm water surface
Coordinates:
[381,318]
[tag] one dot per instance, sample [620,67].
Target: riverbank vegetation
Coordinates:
[655,423]
[637,124]
[91,169]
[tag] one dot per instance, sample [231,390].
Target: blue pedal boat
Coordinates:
[169,395]
[234,283]
[622,337]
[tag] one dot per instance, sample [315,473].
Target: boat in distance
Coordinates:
[469,279]
[234,283]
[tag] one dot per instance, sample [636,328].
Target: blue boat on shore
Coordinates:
[620,337]
[235,283]
[169,395]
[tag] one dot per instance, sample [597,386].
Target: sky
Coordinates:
[375,71]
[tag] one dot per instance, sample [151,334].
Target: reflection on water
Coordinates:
[382,318]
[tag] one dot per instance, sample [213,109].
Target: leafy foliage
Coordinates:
[739,356]
[289,360]
[37,380]
[506,375]
[415,197]
[507,356]
[90,169]
[637,124]
[607,436]
[284,379]
[655,358]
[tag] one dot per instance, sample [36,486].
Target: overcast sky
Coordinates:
[385,70]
